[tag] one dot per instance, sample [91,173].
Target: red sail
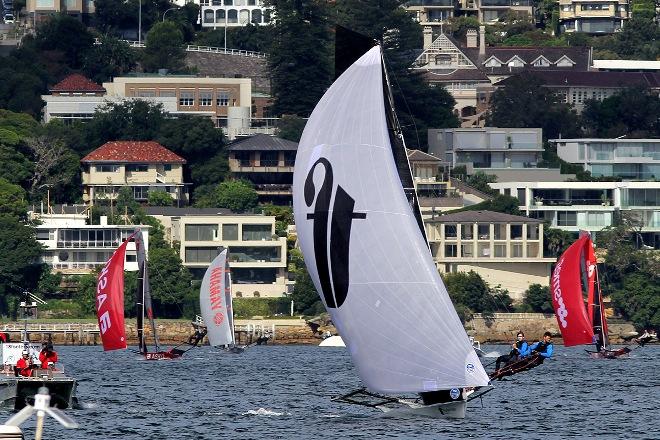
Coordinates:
[592,270]
[110,301]
[566,292]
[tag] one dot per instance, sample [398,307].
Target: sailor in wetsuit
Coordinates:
[542,350]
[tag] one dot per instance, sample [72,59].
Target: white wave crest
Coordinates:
[263,412]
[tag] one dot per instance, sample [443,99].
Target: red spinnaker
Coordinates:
[566,292]
[110,301]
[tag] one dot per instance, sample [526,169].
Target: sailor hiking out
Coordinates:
[519,350]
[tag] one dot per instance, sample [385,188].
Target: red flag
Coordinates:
[567,300]
[110,300]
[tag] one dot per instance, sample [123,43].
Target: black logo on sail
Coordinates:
[333,274]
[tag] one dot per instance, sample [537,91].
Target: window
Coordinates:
[45,3]
[205,98]
[261,254]
[140,192]
[139,168]
[253,276]
[466,232]
[220,16]
[146,93]
[167,93]
[484,232]
[106,168]
[500,250]
[187,97]
[257,232]
[541,62]
[466,250]
[566,218]
[230,232]
[450,231]
[208,16]
[516,232]
[200,255]
[222,98]
[516,250]
[532,232]
[500,231]
[256,16]
[42,234]
[167,167]
[232,16]
[450,250]
[493,62]
[201,232]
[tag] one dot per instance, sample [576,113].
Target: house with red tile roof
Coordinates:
[139,165]
[77,84]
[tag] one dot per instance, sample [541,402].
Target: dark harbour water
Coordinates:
[283,392]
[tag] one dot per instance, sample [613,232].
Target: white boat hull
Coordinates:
[333,341]
[453,410]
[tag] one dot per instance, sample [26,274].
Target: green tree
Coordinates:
[537,299]
[638,300]
[16,168]
[480,181]
[236,195]
[500,203]
[164,48]
[470,290]
[170,282]
[108,59]
[159,198]
[639,39]
[283,217]
[632,113]
[299,56]
[135,120]
[290,127]
[19,261]
[524,102]
[24,79]
[67,35]
[12,200]
[126,202]
[306,300]
[556,241]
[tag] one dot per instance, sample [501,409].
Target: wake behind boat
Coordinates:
[365,249]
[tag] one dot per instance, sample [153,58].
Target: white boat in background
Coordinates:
[332,341]
[216,304]
[364,245]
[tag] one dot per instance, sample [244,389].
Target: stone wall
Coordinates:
[232,66]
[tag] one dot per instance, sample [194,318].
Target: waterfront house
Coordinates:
[140,166]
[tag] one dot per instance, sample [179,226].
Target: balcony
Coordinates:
[273,189]
[448,3]
[505,3]
[244,166]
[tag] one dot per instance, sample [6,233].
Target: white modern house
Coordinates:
[590,206]
[506,250]
[234,13]
[488,147]
[257,256]
[74,247]
[629,159]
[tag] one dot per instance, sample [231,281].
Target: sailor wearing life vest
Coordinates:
[519,350]
[47,356]
[24,365]
[543,348]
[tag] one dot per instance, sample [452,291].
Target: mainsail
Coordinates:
[110,300]
[143,306]
[214,305]
[364,250]
[567,293]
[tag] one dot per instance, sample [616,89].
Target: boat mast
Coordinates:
[399,150]
[139,309]
[599,312]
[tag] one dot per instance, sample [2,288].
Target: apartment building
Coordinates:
[141,166]
[506,250]
[257,256]
[234,13]
[37,10]
[74,247]
[591,206]
[488,147]
[629,159]
[436,12]
[267,162]
[593,16]
[227,101]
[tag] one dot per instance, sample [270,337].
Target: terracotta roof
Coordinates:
[76,83]
[132,152]
[482,217]
[263,142]
[556,78]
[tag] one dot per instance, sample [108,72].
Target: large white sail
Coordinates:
[213,304]
[230,305]
[364,250]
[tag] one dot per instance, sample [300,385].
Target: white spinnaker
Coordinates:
[213,304]
[397,321]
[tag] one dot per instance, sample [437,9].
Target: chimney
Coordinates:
[428,36]
[482,40]
[471,38]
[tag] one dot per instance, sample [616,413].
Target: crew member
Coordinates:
[24,365]
[542,349]
[47,355]
[519,350]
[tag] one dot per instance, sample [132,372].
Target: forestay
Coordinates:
[213,302]
[364,250]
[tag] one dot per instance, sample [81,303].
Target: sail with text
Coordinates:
[110,300]
[364,245]
[214,305]
[571,279]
